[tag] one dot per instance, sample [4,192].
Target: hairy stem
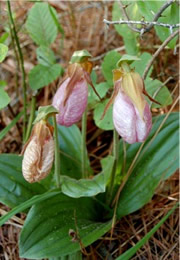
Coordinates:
[57,154]
[31,118]
[116,157]
[22,68]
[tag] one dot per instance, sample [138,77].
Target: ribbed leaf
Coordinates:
[75,256]
[13,188]
[40,24]
[46,230]
[88,187]
[70,152]
[45,56]
[41,75]
[157,161]
[27,204]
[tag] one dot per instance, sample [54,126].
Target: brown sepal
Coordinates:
[150,98]
[87,66]
[89,81]
[75,72]
[111,100]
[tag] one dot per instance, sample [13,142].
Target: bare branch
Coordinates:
[127,17]
[158,14]
[158,51]
[167,25]
[148,25]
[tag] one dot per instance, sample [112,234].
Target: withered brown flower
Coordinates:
[38,152]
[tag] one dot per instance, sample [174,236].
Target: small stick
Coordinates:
[167,25]
[157,53]
[148,24]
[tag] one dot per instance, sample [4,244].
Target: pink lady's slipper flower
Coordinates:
[38,152]
[131,113]
[71,97]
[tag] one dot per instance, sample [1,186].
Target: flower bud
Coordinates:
[71,111]
[72,96]
[131,113]
[38,153]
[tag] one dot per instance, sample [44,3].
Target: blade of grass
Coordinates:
[132,251]
[26,205]
[13,122]
[22,67]
[59,27]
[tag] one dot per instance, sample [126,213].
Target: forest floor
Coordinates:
[84,29]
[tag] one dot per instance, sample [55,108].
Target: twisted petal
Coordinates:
[73,109]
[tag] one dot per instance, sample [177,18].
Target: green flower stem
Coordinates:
[125,67]
[83,144]
[31,118]
[57,154]
[22,68]
[17,59]
[116,158]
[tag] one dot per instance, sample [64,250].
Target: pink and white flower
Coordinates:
[72,110]
[129,123]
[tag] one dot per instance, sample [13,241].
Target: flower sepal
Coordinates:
[44,112]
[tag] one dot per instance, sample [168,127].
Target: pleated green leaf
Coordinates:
[46,230]
[45,56]
[42,75]
[70,152]
[88,187]
[75,256]
[158,160]
[13,187]
[40,24]
[27,204]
